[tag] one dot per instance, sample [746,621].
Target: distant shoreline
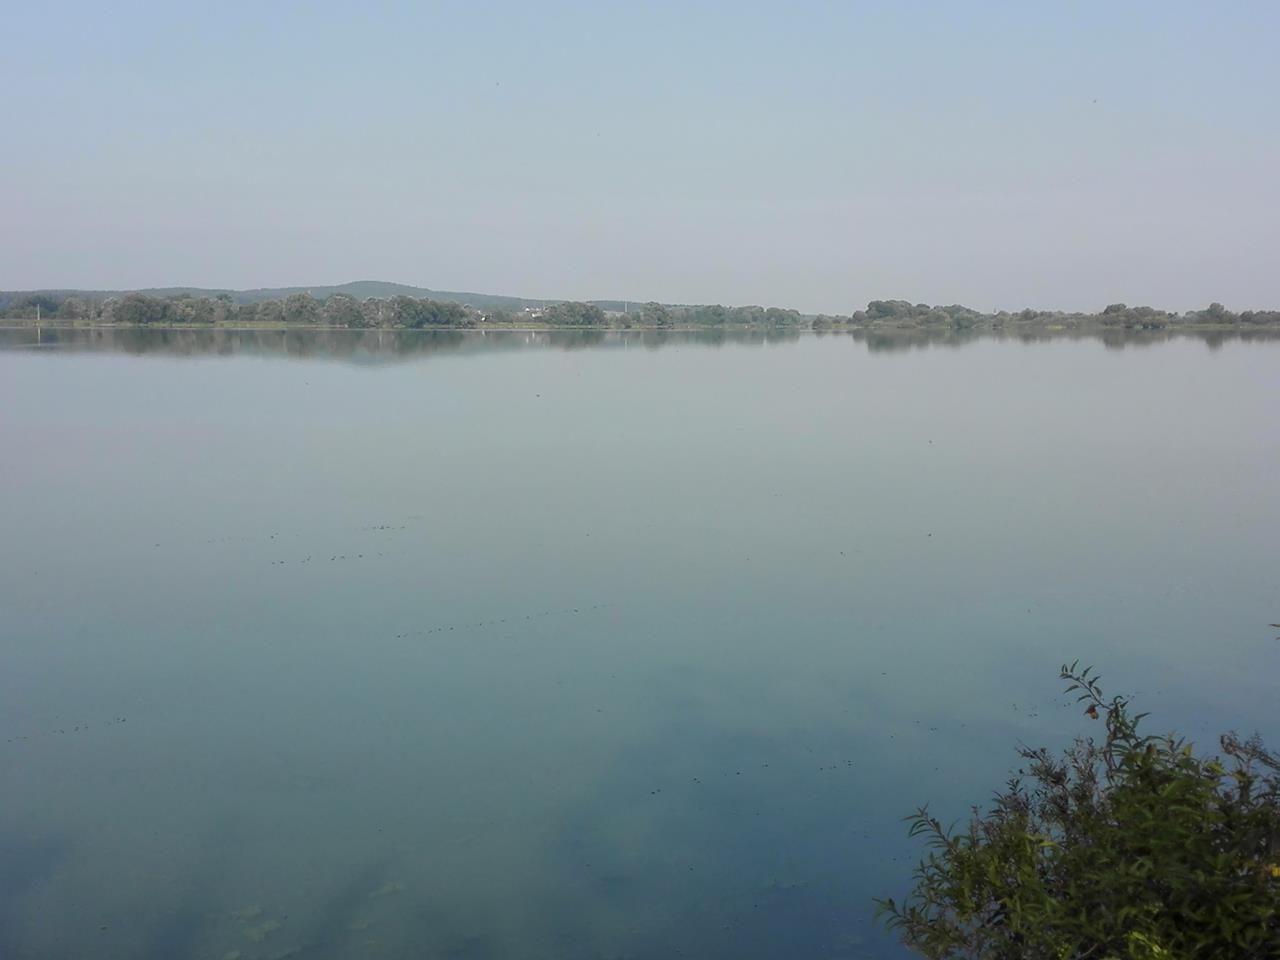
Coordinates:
[337,310]
[1013,328]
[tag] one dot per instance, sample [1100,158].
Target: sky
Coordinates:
[805,154]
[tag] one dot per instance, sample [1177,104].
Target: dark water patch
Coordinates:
[25,863]
[184,921]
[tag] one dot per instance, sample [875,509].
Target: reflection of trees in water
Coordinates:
[894,341]
[371,345]
[381,345]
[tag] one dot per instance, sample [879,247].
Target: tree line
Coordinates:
[411,313]
[302,309]
[901,313]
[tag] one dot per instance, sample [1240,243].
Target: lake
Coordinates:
[624,645]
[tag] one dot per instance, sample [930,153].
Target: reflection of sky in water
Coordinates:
[586,653]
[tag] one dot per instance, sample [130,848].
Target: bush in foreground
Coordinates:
[1134,847]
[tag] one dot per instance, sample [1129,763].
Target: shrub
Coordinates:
[1134,847]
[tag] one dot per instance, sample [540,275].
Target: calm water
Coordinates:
[557,647]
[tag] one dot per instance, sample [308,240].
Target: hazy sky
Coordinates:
[806,154]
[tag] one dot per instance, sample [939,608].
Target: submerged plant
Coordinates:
[1132,847]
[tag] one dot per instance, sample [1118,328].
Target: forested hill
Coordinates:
[358,289]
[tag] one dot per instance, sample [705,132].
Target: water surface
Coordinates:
[583,646]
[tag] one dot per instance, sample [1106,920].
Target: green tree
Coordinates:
[414,313]
[192,310]
[710,315]
[1134,318]
[73,308]
[341,310]
[1216,313]
[270,312]
[1134,847]
[375,312]
[574,314]
[44,304]
[777,316]
[138,308]
[655,315]
[224,308]
[301,308]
